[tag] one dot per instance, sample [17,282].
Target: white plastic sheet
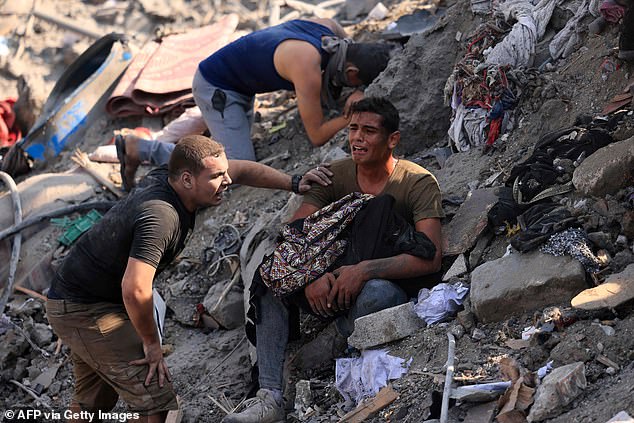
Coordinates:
[442,302]
[363,377]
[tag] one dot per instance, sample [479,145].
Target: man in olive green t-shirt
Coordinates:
[355,290]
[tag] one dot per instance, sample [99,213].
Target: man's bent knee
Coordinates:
[379,294]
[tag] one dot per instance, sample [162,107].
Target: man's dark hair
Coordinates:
[382,107]
[189,153]
[369,58]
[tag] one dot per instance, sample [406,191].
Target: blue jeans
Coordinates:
[272,328]
[231,128]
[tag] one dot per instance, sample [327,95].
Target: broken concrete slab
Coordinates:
[524,282]
[461,234]
[607,170]
[458,268]
[385,326]
[557,390]
[45,379]
[354,8]
[482,413]
[616,290]
[230,311]
[41,334]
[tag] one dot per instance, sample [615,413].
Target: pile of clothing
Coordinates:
[527,202]
[486,85]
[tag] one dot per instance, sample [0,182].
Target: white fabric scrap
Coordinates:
[467,128]
[441,302]
[545,369]
[190,122]
[566,40]
[518,47]
[363,377]
[593,8]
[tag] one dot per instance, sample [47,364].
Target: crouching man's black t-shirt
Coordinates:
[151,224]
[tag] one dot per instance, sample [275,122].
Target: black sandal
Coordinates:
[119,142]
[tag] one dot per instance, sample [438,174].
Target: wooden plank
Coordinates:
[368,407]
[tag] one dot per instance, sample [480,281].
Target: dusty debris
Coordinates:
[553,96]
[557,390]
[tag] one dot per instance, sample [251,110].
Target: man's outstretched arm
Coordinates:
[254,174]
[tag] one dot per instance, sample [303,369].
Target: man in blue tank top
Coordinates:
[311,57]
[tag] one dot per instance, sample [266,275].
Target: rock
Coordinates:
[12,345]
[628,224]
[621,260]
[41,334]
[601,240]
[523,282]
[616,290]
[461,234]
[570,351]
[378,12]
[482,413]
[384,326]
[19,370]
[458,267]
[457,330]
[466,319]
[557,390]
[23,306]
[230,312]
[478,334]
[607,170]
[54,388]
[621,241]
[355,8]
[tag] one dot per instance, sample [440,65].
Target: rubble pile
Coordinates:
[535,160]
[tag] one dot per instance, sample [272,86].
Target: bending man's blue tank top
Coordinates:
[246,65]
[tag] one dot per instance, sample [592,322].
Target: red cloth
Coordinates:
[494,130]
[9,131]
[159,79]
[611,11]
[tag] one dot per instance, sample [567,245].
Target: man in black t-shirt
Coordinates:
[100,302]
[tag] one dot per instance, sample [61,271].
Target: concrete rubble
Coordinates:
[523,282]
[588,333]
[385,326]
[557,390]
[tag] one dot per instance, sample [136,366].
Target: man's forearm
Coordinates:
[245,172]
[401,266]
[326,130]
